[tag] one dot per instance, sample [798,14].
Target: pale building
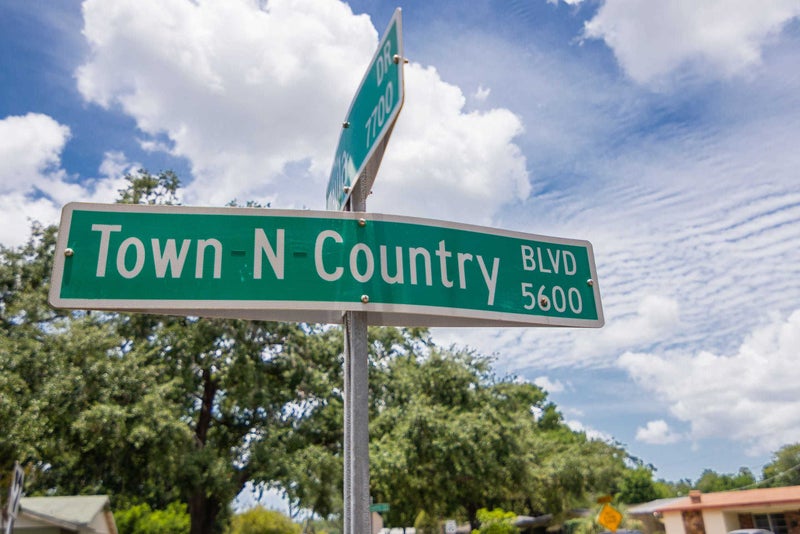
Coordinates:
[90,514]
[774,509]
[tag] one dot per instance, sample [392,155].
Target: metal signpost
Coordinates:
[357,517]
[362,142]
[14,496]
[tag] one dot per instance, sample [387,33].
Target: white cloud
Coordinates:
[444,163]
[33,186]
[657,433]
[482,93]
[113,168]
[750,396]
[724,37]
[654,319]
[549,385]
[254,97]
[689,198]
[253,495]
[590,432]
[30,150]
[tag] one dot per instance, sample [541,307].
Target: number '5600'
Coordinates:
[556,298]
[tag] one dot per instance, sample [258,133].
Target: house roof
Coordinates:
[732,499]
[652,506]
[74,511]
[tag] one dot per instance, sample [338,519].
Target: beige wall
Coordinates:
[673,523]
[716,523]
[103,524]
[721,522]
[32,526]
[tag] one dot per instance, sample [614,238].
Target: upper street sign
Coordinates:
[371,116]
[310,266]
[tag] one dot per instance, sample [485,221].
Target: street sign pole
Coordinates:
[14,495]
[357,516]
[371,118]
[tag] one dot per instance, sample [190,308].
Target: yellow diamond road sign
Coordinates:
[609,517]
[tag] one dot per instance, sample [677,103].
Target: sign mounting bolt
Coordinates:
[590,282]
[544,302]
[365,298]
[346,124]
[362,222]
[346,189]
[68,252]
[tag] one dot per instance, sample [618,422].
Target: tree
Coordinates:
[153,409]
[450,438]
[784,469]
[566,468]
[441,443]
[425,524]
[637,486]
[243,387]
[81,417]
[150,408]
[710,481]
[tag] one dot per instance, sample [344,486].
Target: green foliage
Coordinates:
[154,409]
[589,525]
[321,526]
[141,519]
[145,188]
[426,524]
[259,520]
[496,521]
[637,486]
[581,525]
[784,469]
[452,438]
[710,481]
[665,490]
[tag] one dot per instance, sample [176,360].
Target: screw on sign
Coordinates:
[609,517]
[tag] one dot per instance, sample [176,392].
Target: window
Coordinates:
[774,522]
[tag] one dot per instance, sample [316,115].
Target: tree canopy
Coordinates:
[158,410]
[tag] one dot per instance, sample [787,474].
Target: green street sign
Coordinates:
[379,507]
[310,266]
[371,116]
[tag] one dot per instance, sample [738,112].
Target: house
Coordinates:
[89,514]
[648,514]
[775,509]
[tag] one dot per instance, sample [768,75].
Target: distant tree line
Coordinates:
[177,414]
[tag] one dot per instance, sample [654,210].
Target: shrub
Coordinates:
[141,519]
[496,521]
[259,520]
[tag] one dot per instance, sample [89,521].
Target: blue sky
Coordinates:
[665,133]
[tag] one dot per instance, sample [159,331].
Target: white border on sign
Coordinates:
[314,311]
